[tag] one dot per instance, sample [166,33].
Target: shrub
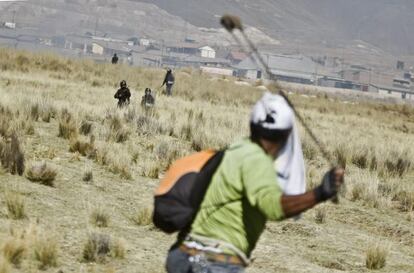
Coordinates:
[376,256]
[15,206]
[143,217]
[46,252]
[11,155]
[14,250]
[100,218]
[41,173]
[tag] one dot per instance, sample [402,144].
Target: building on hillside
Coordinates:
[110,48]
[400,65]
[207,52]
[196,61]
[145,42]
[59,41]
[401,83]
[362,76]
[392,91]
[112,40]
[335,82]
[289,68]
[183,48]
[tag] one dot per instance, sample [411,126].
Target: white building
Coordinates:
[97,49]
[10,25]
[145,42]
[207,52]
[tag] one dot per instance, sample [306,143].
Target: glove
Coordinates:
[331,182]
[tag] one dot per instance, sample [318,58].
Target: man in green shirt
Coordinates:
[245,192]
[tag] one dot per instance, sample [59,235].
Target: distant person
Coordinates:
[245,192]
[123,95]
[148,99]
[168,81]
[115,59]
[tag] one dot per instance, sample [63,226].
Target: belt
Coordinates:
[214,257]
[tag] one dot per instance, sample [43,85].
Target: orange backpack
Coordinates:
[180,193]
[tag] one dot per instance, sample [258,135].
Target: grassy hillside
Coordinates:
[84,200]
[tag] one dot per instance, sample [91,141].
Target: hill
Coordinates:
[91,170]
[318,25]
[384,24]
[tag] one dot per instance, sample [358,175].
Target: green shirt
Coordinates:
[243,194]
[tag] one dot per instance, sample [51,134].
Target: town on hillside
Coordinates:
[326,71]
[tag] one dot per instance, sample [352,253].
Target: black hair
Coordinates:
[275,135]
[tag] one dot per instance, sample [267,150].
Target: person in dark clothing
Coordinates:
[123,95]
[148,99]
[115,59]
[168,81]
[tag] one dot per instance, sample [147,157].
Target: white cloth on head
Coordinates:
[289,164]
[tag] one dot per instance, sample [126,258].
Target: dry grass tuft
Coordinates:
[143,217]
[15,205]
[122,168]
[11,155]
[82,147]
[360,160]
[151,170]
[100,218]
[376,256]
[46,116]
[96,248]
[399,166]
[320,215]
[67,126]
[117,131]
[42,173]
[85,128]
[100,246]
[46,252]
[35,111]
[341,156]
[406,199]
[118,248]
[14,250]
[87,175]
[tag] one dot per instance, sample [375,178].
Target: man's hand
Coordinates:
[331,183]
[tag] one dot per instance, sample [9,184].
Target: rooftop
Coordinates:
[292,63]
